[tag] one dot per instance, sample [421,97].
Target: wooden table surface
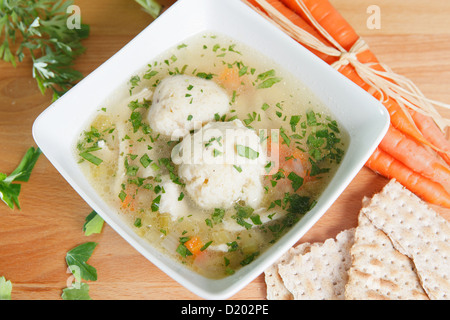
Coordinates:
[414,40]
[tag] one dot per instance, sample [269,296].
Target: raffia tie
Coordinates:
[389,84]
[351,56]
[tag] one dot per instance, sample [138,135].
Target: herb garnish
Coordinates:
[267,79]
[78,292]
[182,249]
[216,217]
[166,162]
[134,81]
[9,191]
[136,116]
[297,181]
[243,213]
[93,224]
[296,206]
[77,262]
[152,7]
[40,27]
[5,289]
[145,160]
[322,142]
[246,152]
[155,203]
[91,158]
[249,258]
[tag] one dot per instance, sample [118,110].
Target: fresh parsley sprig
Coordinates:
[38,28]
[5,289]
[9,191]
[76,260]
[152,7]
[77,292]
[93,224]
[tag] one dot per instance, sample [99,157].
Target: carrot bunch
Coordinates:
[414,151]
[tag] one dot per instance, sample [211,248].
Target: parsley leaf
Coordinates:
[77,262]
[268,83]
[94,224]
[78,292]
[166,162]
[5,289]
[297,207]
[297,181]
[91,158]
[322,142]
[246,152]
[9,191]
[155,203]
[182,249]
[268,79]
[243,213]
[218,215]
[249,258]
[152,7]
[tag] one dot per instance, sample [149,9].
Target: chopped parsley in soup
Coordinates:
[211,153]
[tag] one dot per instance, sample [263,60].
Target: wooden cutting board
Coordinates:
[413,39]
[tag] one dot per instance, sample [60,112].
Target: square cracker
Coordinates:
[379,271]
[418,232]
[321,272]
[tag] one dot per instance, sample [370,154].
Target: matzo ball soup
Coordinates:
[211,153]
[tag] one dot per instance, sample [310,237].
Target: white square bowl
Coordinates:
[363,117]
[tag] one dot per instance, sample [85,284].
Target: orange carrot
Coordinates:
[329,18]
[194,245]
[290,159]
[129,201]
[229,78]
[424,130]
[294,160]
[428,190]
[397,115]
[399,118]
[414,156]
[299,22]
[432,132]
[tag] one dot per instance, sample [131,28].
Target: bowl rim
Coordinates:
[207,12]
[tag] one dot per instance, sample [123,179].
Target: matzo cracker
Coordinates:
[379,271]
[320,273]
[274,283]
[418,232]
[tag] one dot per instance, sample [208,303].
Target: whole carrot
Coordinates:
[431,132]
[420,127]
[399,119]
[389,167]
[414,156]
[297,21]
[329,18]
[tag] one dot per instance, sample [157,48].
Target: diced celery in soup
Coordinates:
[211,153]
